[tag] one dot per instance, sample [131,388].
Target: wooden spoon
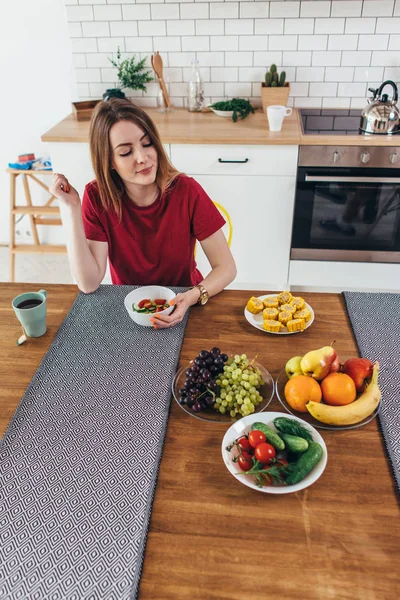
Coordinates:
[157,64]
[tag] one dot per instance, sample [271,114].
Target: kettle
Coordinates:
[381,115]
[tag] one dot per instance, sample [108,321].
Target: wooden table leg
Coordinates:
[13,179]
[29,203]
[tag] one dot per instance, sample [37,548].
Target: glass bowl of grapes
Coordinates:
[220,387]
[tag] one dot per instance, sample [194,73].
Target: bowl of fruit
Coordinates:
[274,454]
[327,393]
[220,387]
[143,302]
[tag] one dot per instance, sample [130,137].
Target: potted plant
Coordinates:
[275,89]
[131,74]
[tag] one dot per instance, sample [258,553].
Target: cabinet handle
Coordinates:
[221,160]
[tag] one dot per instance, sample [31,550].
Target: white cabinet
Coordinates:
[258,194]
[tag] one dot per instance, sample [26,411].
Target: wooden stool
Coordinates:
[37,215]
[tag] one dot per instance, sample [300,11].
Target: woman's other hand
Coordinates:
[182,302]
[63,191]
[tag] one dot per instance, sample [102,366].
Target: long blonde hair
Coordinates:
[111,186]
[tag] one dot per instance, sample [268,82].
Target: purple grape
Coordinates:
[213,369]
[209,360]
[199,362]
[189,372]
[190,400]
[215,351]
[196,407]
[224,357]
[212,385]
[203,354]
[209,400]
[195,369]
[206,375]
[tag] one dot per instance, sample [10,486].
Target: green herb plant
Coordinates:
[132,73]
[239,107]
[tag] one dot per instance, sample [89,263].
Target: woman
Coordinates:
[141,214]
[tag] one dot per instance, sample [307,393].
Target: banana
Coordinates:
[350,413]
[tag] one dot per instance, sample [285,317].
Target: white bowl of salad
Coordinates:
[144,302]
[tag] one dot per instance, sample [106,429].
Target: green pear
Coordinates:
[292,367]
[317,363]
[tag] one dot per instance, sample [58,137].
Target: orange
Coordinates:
[301,389]
[338,389]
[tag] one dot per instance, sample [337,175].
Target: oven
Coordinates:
[347,204]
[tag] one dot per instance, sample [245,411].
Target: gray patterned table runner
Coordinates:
[375,322]
[79,461]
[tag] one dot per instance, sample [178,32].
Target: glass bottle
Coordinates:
[195,89]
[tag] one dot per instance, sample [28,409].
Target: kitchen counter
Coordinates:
[183,127]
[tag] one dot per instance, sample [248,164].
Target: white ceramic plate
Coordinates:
[243,426]
[257,320]
[222,113]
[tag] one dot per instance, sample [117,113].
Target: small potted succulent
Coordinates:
[131,74]
[275,89]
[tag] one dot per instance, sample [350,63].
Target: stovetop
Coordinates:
[330,121]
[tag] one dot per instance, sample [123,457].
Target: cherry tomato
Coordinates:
[245,461]
[244,444]
[160,301]
[159,309]
[256,437]
[264,453]
[143,302]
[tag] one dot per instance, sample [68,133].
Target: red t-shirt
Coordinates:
[153,244]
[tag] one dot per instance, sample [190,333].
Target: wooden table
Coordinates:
[213,538]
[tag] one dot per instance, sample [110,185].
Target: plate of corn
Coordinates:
[281,313]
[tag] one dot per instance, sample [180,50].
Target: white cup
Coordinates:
[276,114]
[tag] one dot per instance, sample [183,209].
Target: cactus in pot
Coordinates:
[275,89]
[273,79]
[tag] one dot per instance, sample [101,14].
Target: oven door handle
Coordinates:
[333,179]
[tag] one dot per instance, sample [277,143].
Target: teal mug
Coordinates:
[30,309]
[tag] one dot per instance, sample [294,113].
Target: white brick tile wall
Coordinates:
[332,50]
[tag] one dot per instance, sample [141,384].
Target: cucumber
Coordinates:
[271,436]
[294,443]
[305,464]
[137,309]
[285,425]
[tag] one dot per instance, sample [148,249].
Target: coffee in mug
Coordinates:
[276,114]
[30,310]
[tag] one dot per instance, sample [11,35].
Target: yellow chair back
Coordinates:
[228,220]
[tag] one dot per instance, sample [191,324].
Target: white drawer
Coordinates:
[210,159]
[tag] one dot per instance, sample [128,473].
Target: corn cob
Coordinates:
[296,325]
[270,313]
[270,325]
[254,305]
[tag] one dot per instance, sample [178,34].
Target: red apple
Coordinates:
[360,370]
[335,366]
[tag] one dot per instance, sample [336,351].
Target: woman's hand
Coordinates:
[182,302]
[63,191]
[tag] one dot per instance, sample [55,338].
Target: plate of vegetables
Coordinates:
[274,454]
[237,107]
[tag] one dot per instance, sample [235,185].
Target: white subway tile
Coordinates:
[180,28]
[180,59]
[388,25]
[254,10]
[124,28]
[299,26]
[368,74]
[290,72]
[204,72]
[72,2]
[298,89]
[79,13]
[254,74]
[83,91]
[350,8]
[297,59]
[373,42]
[96,29]
[329,25]
[178,89]
[253,42]
[226,74]
[79,61]
[308,102]
[222,10]
[335,102]
[161,11]
[272,26]
[323,89]
[397,9]
[96,90]
[74,29]
[352,89]
[310,74]
[267,58]
[225,42]
[140,44]
[98,60]
[214,89]
[394,42]
[238,59]
[315,9]
[313,42]
[326,59]
[209,27]
[392,73]
[284,9]
[339,73]
[378,8]
[282,42]
[238,89]
[357,103]
[342,42]
[211,59]
[111,44]
[364,25]
[173,75]
[109,75]
[385,59]
[107,13]
[167,43]
[88,2]
[239,26]
[194,11]
[84,45]
[151,28]
[197,42]
[354,59]
[87,75]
